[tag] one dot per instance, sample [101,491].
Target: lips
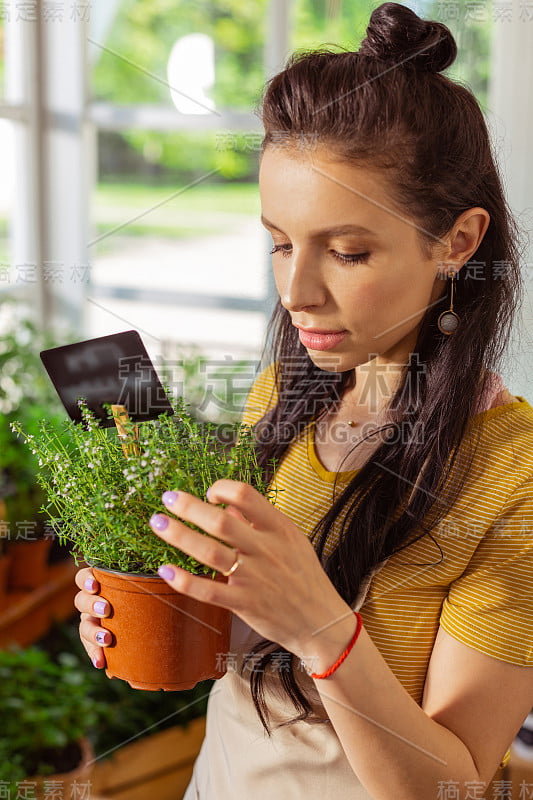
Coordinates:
[315,339]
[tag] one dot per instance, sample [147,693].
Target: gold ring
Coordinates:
[234,566]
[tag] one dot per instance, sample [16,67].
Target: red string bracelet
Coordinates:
[343,655]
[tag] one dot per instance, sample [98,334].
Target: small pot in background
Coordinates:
[29,563]
[5,562]
[68,784]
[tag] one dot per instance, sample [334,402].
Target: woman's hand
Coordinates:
[92,608]
[279,588]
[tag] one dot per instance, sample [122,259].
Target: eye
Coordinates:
[280,248]
[345,258]
[350,258]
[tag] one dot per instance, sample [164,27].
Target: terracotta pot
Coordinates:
[29,563]
[71,782]
[5,563]
[162,639]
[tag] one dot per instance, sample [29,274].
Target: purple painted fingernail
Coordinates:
[169,498]
[159,522]
[96,662]
[166,573]
[102,637]
[90,584]
[100,607]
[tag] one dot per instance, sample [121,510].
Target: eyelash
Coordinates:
[356,258]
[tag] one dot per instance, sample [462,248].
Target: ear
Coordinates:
[464,238]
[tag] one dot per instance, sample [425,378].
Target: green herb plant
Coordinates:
[104,499]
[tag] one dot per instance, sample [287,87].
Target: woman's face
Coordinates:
[372,288]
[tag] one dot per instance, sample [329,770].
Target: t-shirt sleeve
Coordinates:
[262,396]
[490,606]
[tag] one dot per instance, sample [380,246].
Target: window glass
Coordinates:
[176,247]
[163,238]
[2,57]
[10,276]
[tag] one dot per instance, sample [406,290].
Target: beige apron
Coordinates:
[238,761]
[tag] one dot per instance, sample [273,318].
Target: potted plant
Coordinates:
[47,713]
[26,395]
[104,500]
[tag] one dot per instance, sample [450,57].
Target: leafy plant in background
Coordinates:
[26,395]
[46,709]
[126,714]
[104,500]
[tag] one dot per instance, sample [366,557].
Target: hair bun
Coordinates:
[397,35]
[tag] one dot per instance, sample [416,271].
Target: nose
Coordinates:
[300,283]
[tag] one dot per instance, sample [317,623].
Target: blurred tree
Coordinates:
[140,41]
[472,26]
[144,32]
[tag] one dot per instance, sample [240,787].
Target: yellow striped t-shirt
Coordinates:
[481,590]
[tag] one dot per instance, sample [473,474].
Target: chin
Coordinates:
[329,362]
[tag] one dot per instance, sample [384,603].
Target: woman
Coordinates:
[396,262]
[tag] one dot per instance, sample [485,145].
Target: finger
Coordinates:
[94,651]
[92,632]
[85,580]
[200,588]
[207,550]
[215,521]
[89,604]
[236,513]
[251,503]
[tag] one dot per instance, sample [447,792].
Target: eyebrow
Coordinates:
[337,230]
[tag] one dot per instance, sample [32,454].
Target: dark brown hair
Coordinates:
[387,106]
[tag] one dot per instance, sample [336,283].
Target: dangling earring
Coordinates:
[448,321]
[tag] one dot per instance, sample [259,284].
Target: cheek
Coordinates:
[369,301]
[278,277]
[395,305]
